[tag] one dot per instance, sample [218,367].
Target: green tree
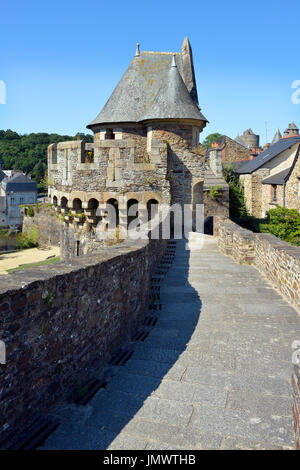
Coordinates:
[210,139]
[28,152]
[237,206]
[39,170]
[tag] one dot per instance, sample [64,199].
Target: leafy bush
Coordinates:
[283,223]
[30,211]
[27,239]
[4,233]
[249,222]
[215,191]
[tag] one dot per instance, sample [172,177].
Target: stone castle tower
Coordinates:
[146,148]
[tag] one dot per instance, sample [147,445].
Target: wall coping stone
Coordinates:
[20,279]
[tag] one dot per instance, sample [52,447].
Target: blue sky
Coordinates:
[60,60]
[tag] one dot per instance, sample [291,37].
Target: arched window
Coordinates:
[132,210]
[113,206]
[152,208]
[77,204]
[64,203]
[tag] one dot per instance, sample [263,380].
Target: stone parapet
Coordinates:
[61,323]
[279,262]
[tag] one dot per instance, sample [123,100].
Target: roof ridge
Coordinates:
[154,52]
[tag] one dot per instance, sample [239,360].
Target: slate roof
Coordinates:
[268,155]
[19,183]
[278,178]
[238,163]
[136,91]
[173,100]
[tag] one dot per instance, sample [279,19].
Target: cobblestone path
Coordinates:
[214,372]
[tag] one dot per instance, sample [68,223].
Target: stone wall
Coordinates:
[61,323]
[279,261]
[233,151]
[229,151]
[253,191]
[218,206]
[296,402]
[118,166]
[8,243]
[47,225]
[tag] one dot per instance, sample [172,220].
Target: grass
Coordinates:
[33,265]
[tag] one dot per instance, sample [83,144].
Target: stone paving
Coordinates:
[214,373]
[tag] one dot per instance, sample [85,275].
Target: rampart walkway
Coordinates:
[214,372]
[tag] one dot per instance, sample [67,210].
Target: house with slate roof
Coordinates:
[145,150]
[16,190]
[273,177]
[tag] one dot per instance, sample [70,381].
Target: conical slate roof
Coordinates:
[173,100]
[249,132]
[277,137]
[138,87]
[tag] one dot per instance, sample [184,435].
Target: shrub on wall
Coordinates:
[283,223]
[5,233]
[215,191]
[30,211]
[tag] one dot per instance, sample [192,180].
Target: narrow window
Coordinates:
[54,156]
[274,193]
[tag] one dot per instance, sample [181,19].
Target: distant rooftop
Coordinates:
[19,183]
[268,155]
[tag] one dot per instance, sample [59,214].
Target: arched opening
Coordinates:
[64,203]
[132,210]
[197,200]
[54,201]
[113,203]
[77,204]
[92,208]
[198,193]
[152,208]
[93,204]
